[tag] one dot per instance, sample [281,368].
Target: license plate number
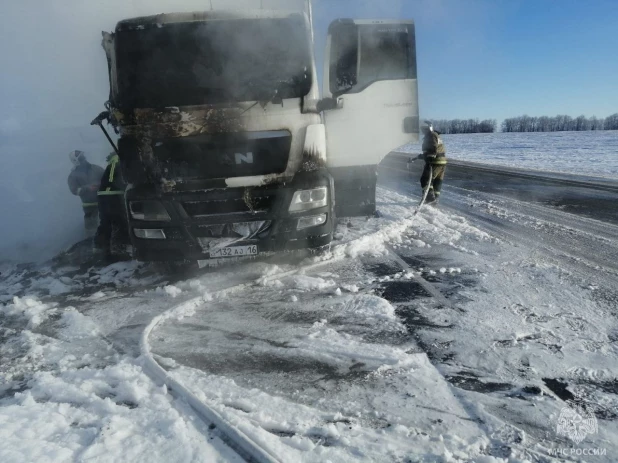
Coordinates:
[235,251]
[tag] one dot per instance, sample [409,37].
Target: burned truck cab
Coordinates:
[226,145]
[221,153]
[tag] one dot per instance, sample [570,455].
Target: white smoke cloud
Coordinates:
[54,81]
[8,125]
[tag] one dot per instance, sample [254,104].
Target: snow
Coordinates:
[327,345]
[370,237]
[113,414]
[307,283]
[30,309]
[83,400]
[171,291]
[584,153]
[328,361]
[310,436]
[369,307]
[484,337]
[299,432]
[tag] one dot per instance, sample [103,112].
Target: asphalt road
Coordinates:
[591,197]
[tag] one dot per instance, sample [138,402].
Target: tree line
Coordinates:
[527,123]
[559,123]
[465,126]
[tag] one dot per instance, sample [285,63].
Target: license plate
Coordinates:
[235,251]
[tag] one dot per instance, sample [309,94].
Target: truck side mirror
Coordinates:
[100,118]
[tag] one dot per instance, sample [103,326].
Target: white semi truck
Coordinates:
[226,143]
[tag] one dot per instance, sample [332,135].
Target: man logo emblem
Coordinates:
[246,158]
[576,423]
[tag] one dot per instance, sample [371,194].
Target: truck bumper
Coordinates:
[198,218]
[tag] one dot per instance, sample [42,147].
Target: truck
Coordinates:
[228,144]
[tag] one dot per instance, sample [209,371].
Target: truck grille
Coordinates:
[198,209]
[212,156]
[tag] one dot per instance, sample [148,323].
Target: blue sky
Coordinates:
[476,58]
[499,58]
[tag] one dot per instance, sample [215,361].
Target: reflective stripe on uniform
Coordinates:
[90,204]
[110,193]
[438,162]
[113,162]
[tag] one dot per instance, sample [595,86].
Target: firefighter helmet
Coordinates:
[77,157]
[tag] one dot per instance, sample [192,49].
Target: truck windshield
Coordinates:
[218,61]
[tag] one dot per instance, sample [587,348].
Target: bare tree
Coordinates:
[465,126]
[558,123]
[611,122]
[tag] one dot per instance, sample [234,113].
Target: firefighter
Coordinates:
[434,155]
[112,215]
[84,181]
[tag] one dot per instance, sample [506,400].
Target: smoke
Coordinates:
[54,81]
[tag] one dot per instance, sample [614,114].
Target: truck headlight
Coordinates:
[305,200]
[150,211]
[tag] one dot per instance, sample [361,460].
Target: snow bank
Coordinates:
[371,308]
[114,414]
[33,311]
[84,401]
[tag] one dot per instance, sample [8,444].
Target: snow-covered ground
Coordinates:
[583,153]
[69,395]
[445,336]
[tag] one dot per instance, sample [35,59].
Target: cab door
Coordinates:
[370,73]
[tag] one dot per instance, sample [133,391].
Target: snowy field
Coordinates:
[446,336]
[581,153]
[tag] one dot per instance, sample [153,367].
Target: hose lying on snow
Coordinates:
[240,442]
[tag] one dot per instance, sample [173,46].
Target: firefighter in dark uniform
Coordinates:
[434,155]
[112,216]
[84,182]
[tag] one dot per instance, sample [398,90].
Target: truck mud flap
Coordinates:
[355,190]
